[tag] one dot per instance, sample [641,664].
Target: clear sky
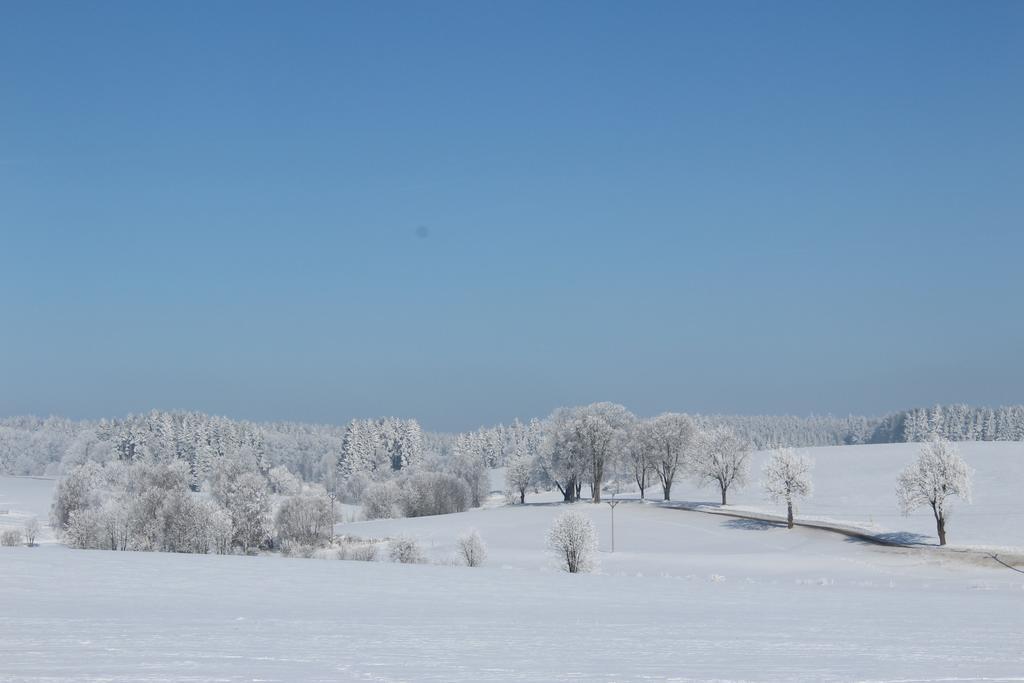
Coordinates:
[467,212]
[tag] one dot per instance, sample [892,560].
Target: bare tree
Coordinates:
[573,539]
[938,473]
[787,476]
[722,458]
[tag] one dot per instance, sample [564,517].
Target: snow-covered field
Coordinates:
[747,603]
[858,484]
[684,596]
[24,497]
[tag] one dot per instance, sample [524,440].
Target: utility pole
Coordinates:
[612,503]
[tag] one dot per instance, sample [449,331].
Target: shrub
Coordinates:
[295,549]
[380,500]
[406,551]
[573,540]
[10,537]
[432,493]
[361,552]
[472,549]
[305,518]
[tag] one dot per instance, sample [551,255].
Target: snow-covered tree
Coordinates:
[10,537]
[305,518]
[247,500]
[601,430]
[472,549]
[669,439]
[380,500]
[283,482]
[406,551]
[638,456]
[519,473]
[573,539]
[721,458]
[31,530]
[938,473]
[561,462]
[787,478]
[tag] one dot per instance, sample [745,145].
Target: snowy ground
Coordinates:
[24,497]
[94,615]
[685,596]
[858,484]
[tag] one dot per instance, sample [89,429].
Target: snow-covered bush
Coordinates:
[356,549]
[380,500]
[938,473]
[787,477]
[31,530]
[573,539]
[432,493]
[472,549]
[10,537]
[305,518]
[406,551]
[151,506]
[295,549]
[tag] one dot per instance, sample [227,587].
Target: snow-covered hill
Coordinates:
[685,596]
[858,484]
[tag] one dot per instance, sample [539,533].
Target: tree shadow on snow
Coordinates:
[894,538]
[752,524]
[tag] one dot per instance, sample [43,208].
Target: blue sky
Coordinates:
[739,207]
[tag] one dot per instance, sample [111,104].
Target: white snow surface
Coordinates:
[685,596]
[22,498]
[857,484]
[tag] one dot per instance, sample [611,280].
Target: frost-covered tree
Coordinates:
[10,537]
[601,430]
[247,501]
[787,478]
[938,473]
[406,551]
[573,539]
[305,518]
[283,482]
[469,464]
[380,500]
[79,488]
[31,530]
[669,440]
[637,456]
[432,493]
[472,549]
[721,458]
[562,462]
[519,473]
